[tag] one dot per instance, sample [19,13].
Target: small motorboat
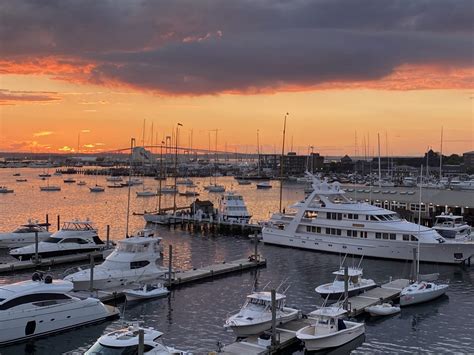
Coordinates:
[50,188]
[21,180]
[5,190]
[82,183]
[189,193]
[384,309]
[97,188]
[264,185]
[146,292]
[255,316]
[244,182]
[115,185]
[328,329]
[17,174]
[215,188]
[147,193]
[69,181]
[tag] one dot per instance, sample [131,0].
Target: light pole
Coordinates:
[282,157]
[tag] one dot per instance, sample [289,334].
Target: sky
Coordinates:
[84,76]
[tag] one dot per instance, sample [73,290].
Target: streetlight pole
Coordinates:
[282,157]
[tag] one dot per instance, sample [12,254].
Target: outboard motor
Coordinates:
[48,279]
[37,276]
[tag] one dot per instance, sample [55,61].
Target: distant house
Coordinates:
[206,207]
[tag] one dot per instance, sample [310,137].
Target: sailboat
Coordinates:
[96,188]
[214,187]
[421,291]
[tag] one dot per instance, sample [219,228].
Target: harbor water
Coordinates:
[192,317]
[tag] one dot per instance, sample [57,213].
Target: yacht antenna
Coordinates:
[360,262]
[281,284]
[264,287]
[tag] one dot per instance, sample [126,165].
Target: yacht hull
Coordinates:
[332,340]
[352,292]
[18,240]
[447,253]
[51,254]
[46,321]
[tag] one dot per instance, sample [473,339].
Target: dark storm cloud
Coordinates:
[200,46]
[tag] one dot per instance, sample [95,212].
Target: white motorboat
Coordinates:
[125,341]
[113,179]
[462,185]
[41,307]
[97,188]
[421,291]
[232,208]
[384,309]
[82,183]
[115,185]
[215,188]
[357,284]
[328,329]
[169,189]
[147,193]
[132,182]
[186,182]
[134,260]
[146,292]
[244,182]
[5,190]
[74,237]
[264,185]
[328,221]
[451,226]
[255,316]
[23,235]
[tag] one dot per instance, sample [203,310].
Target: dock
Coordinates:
[49,262]
[286,333]
[182,278]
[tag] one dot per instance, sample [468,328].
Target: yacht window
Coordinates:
[356,216]
[138,264]
[393,236]
[413,238]
[37,297]
[313,229]
[354,233]
[366,217]
[349,216]
[308,229]
[384,235]
[406,237]
[310,214]
[373,218]
[52,240]
[97,240]
[339,216]
[339,232]
[99,348]
[328,230]
[333,231]
[378,235]
[349,233]
[74,240]
[318,229]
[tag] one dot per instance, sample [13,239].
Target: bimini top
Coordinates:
[449,216]
[139,240]
[331,312]
[129,337]
[31,287]
[77,225]
[351,271]
[266,296]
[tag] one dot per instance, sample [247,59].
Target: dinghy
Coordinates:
[384,309]
[146,292]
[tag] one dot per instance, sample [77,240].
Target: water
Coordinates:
[193,317]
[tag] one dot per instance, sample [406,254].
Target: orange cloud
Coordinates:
[10,97]
[66,149]
[42,134]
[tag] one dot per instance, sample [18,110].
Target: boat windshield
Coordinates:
[24,229]
[76,226]
[99,348]
[132,248]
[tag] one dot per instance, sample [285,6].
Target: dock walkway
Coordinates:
[182,278]
[286,333]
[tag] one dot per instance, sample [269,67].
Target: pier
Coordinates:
[285,334]
[183,278]
[49,262]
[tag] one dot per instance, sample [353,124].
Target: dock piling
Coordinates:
[170,264]
[36,247]
[346,287]
[141,342]
[108,236]
[59,222]
[274,341]
[91,285]
[47,222]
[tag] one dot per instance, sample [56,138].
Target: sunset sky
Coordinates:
[341,68]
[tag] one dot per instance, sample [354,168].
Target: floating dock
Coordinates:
[183,278]
[286,333]
[48,262]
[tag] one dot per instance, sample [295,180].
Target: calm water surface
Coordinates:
[192,317]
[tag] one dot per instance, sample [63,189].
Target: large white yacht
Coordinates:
[255,316]
[135,259]
[39,307]
[74,237]
[451,226]
[125,341]
[23,235]
[232,208]
[328,221]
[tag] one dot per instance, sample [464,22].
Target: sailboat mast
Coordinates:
[419,225]
[258,153]
[175,168]
[132,143]
[380,172]
[441,156]
[282,157]
[161,177]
